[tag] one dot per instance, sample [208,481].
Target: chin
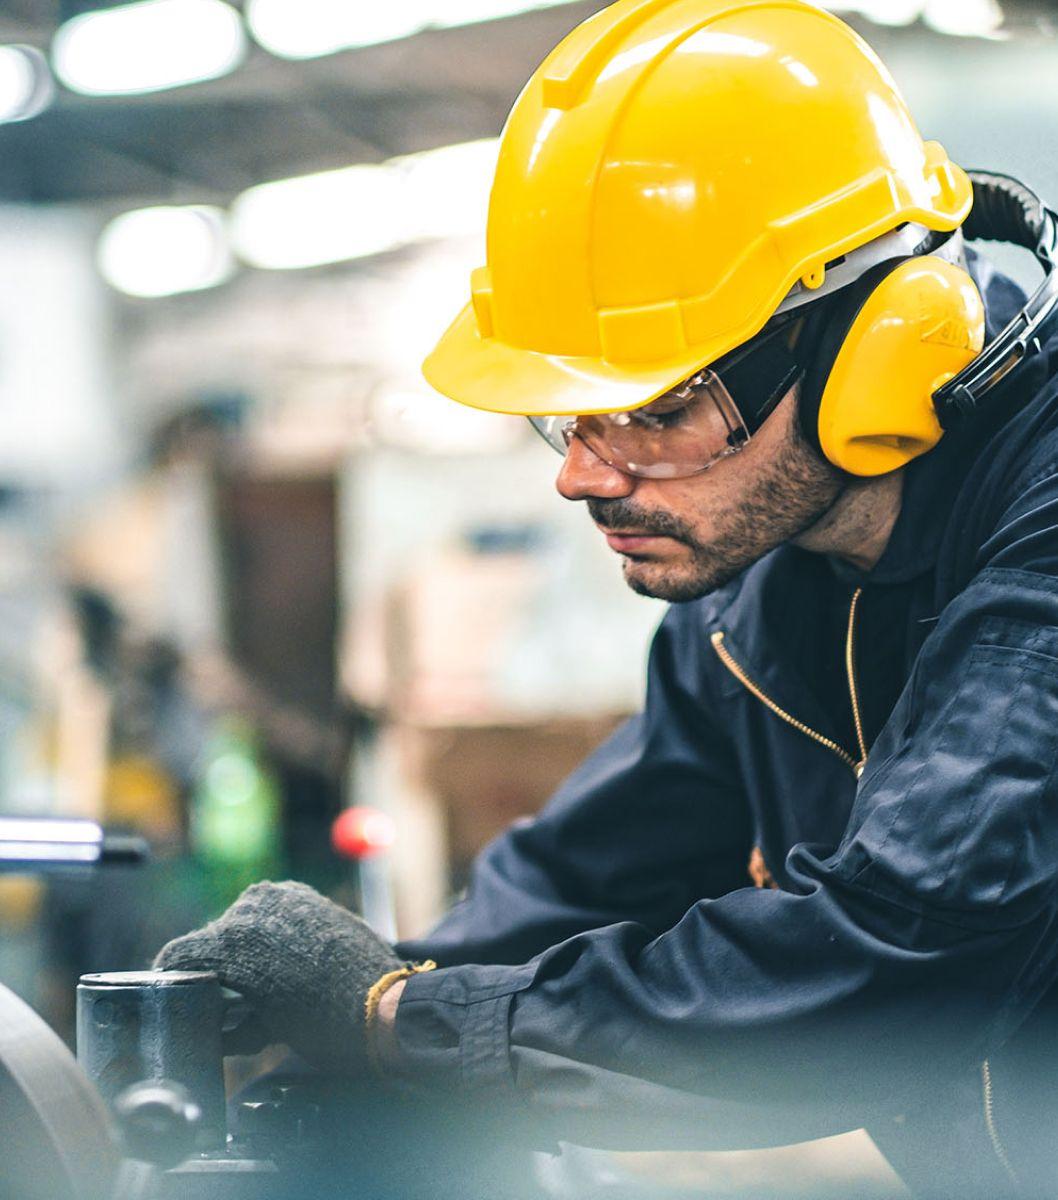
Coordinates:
[681,582]
[673,584]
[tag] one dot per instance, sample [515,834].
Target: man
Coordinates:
[726,281]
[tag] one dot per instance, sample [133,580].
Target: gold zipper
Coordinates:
[990,1122]
[849,760]
[850,671]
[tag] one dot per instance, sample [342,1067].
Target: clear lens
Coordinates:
[681,433]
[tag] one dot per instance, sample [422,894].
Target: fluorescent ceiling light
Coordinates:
[965,18]
[310,28]
[315,219]
[149,46]
[26,86]
[470,12]
[335,216]
[446,191]
[881,12]
[308,221]
[162,251]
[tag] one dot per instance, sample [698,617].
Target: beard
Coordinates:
[792,491]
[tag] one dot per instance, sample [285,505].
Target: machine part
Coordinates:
[218,1177]
[136,1026]
[283,1126]
[58,1141]
[42,843]
[136,1181]
[241,1030]
[304,1139]
[158,1121]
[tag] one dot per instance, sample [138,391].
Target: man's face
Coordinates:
[681,538]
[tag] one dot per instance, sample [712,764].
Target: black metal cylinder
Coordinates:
[140,1025]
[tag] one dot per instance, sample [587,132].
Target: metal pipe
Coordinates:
[42,843]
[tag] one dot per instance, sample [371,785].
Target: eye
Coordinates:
[661,418]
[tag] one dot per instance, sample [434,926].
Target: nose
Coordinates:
[584,475]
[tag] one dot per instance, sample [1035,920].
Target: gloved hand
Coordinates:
[306,964]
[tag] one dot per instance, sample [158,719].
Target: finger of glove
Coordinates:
[197,951]
[305,962]
[262,911]
[292,907]
[250,968]
[327,937]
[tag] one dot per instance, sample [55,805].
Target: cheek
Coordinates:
[701,499]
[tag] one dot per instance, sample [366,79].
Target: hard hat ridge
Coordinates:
[669,173]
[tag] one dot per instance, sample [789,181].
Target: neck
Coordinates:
[859,524]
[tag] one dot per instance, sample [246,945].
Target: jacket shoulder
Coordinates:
[1014,467]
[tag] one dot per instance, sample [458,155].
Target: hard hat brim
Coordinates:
[488,374]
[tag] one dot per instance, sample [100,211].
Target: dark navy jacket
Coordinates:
[613,974]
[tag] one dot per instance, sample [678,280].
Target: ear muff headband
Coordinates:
[1005,210]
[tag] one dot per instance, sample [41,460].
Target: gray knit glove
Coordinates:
[305,964]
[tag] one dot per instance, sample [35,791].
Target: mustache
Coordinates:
[623,514]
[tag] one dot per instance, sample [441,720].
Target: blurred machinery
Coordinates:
[144,1115]
[142,1112]
[59,1140]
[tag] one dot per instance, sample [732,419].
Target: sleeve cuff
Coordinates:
[453,1028]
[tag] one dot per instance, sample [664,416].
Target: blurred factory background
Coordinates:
[252,572]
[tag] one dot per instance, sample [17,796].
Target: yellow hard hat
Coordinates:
[668,175]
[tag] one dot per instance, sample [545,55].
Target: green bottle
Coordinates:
[234,814]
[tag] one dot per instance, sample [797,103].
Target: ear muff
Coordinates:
[887,343]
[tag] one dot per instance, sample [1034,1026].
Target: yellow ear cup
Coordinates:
[920,326]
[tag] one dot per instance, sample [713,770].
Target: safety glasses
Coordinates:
[695,425]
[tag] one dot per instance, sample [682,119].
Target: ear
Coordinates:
[905,332]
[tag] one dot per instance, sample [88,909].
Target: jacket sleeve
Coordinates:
[899,956]
[651,821]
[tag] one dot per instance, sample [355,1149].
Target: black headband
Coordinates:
[1005,210]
